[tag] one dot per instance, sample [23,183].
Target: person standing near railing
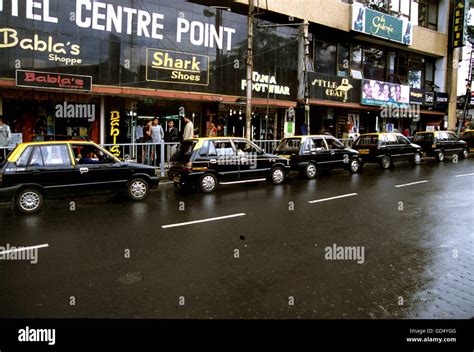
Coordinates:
[188,128]
[147,139]
[171,136]
[5,137]
[139,140]
[157,135]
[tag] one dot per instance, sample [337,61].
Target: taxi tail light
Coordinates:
[188,166]
[433,146]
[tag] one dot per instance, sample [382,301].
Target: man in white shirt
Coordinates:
[157,136]
[188,128]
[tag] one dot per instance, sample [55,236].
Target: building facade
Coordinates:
[98,69]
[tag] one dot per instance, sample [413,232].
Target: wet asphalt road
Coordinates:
[418,261]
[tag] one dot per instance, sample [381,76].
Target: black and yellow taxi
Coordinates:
[208,162]
[386,148]
[468,137]
[440,144]
[38,170]
[311,153]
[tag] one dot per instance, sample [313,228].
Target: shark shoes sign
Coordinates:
[341,89]
[177,67]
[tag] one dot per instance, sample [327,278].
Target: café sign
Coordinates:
[381,25]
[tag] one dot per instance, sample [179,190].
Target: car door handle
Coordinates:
[213,161]
[83,170]
[333,152]
[35,172]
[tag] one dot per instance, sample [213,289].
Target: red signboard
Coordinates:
[51,80]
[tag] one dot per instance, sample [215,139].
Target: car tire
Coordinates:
[277,175]
[310,171]
[440,156]
[465,153]
[386,162]
[416,159]
[29,201]
[137,189]
[208,183]
[354,166]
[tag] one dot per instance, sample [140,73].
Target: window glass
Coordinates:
[308,145]
[423,137]
[291,145]
[90,154]
[356,57]
[402,140]
[245,148]
[23,159]
[367,140]
[325,57]
[55,155]
[224,148]
[36,158]
[333,143]
[451,136]
[343,60]
[374,63]
[319,143]
[442,136]
[390,139]
[184,151]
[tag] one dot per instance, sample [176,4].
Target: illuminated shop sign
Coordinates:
[460,14]
[328,87]
[176,67]
[118,19]
[381,25]
[63,52]
[379,93]
[52,80]
[114,132]
[266,84]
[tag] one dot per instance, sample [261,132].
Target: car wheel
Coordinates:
[208,183]
[29,201]
[465,153]
[440,156]
[354,166]
[417,159]
[277,176]
[310,171]
[386,162]
[137,189]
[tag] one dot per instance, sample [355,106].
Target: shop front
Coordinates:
[336,107]
[66,76]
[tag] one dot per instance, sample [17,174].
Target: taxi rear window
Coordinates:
[367,140]
[184,151]
[423,137]
[468,134]
[290,145]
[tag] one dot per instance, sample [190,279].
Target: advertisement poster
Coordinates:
[379,93]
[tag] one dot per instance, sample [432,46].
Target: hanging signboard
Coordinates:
[381,25]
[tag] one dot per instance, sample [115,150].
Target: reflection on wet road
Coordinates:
[264,252]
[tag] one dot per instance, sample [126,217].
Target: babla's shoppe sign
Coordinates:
[381,25]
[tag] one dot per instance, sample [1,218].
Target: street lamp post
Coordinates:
[248,107]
